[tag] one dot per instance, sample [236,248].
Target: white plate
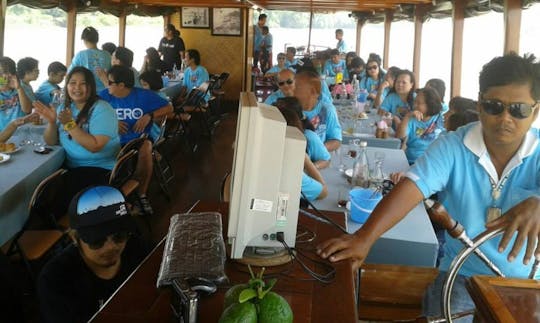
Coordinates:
[5,158]
[17,148]
[348,172]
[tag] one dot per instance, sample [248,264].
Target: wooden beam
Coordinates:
[166,20]
[122,21]
[359,26]
[417,50]
[458,17]
[3,9]
[512,25]
[70,37]
[387,27]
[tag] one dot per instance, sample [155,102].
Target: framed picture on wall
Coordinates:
[227,21]
[195,17]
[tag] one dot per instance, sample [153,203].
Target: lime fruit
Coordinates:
[231,296]
[274,309]
[239,313]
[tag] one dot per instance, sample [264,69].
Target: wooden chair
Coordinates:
[122,175]
[393,292]
[44,229]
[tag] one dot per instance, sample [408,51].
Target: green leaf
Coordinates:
[246,295]
[269,286]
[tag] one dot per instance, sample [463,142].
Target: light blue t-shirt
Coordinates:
[445,108]
[103,122]
[290,64]
[257,37]
[92,59]
[324,119]
[316,149]
[45,92]
[267,41]
[341,46]
[277,69]
[458,165]
[331,69]
[27,88]
[194,78]
[420,134]
[132,107]
[10,107]
[393,104]
[325,93]
[310,187]
[370,85]
[272,98]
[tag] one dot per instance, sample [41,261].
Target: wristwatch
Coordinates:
[70,125]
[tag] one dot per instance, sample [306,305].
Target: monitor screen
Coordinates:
[266,178]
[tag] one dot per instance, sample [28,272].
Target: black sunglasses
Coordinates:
[372,67]
[516,110]
[119,237]
[289,82]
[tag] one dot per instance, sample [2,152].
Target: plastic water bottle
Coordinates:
[355,86]
[175,72]
[361,98]
[360,176]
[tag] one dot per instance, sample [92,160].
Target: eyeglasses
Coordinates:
[288,81]
[118,238]
[516,110]
[372,67]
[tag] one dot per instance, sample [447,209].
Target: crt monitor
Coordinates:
[266,178]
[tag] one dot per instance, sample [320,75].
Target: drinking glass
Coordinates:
[57,99]
[337,159]
[377,177]
[342,197]
[24,134]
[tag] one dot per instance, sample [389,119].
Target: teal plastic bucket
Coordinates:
[363,201]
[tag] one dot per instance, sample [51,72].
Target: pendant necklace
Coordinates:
[495,212]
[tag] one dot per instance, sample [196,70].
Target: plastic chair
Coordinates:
[122,175]
[162,167]
[31,242]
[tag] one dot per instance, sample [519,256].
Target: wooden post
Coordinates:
[387,26]
[122,20]
[418,24]
[458,17]
[3,8]
[512,25]
[310,26]
[70,37]
[359,25]
[166,20]
[247,82]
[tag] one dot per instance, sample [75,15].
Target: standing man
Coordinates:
[136,109]
[320,112]
[487,173]
[340,46]
[266,49]
[76,283]
[258,38]
[171,48]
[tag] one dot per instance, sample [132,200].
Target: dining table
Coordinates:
[21,173]
[412,241]
[356,125]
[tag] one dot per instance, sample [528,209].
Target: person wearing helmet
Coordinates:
[78,281]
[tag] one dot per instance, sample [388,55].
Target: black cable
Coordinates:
[323,217]
[326,278]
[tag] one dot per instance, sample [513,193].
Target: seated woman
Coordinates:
[152,62]
[313,184]
[399,101]
[373,78]
[277,68]
[315,148]
[14,103]
[420,127]
[85,126]
[385,86]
